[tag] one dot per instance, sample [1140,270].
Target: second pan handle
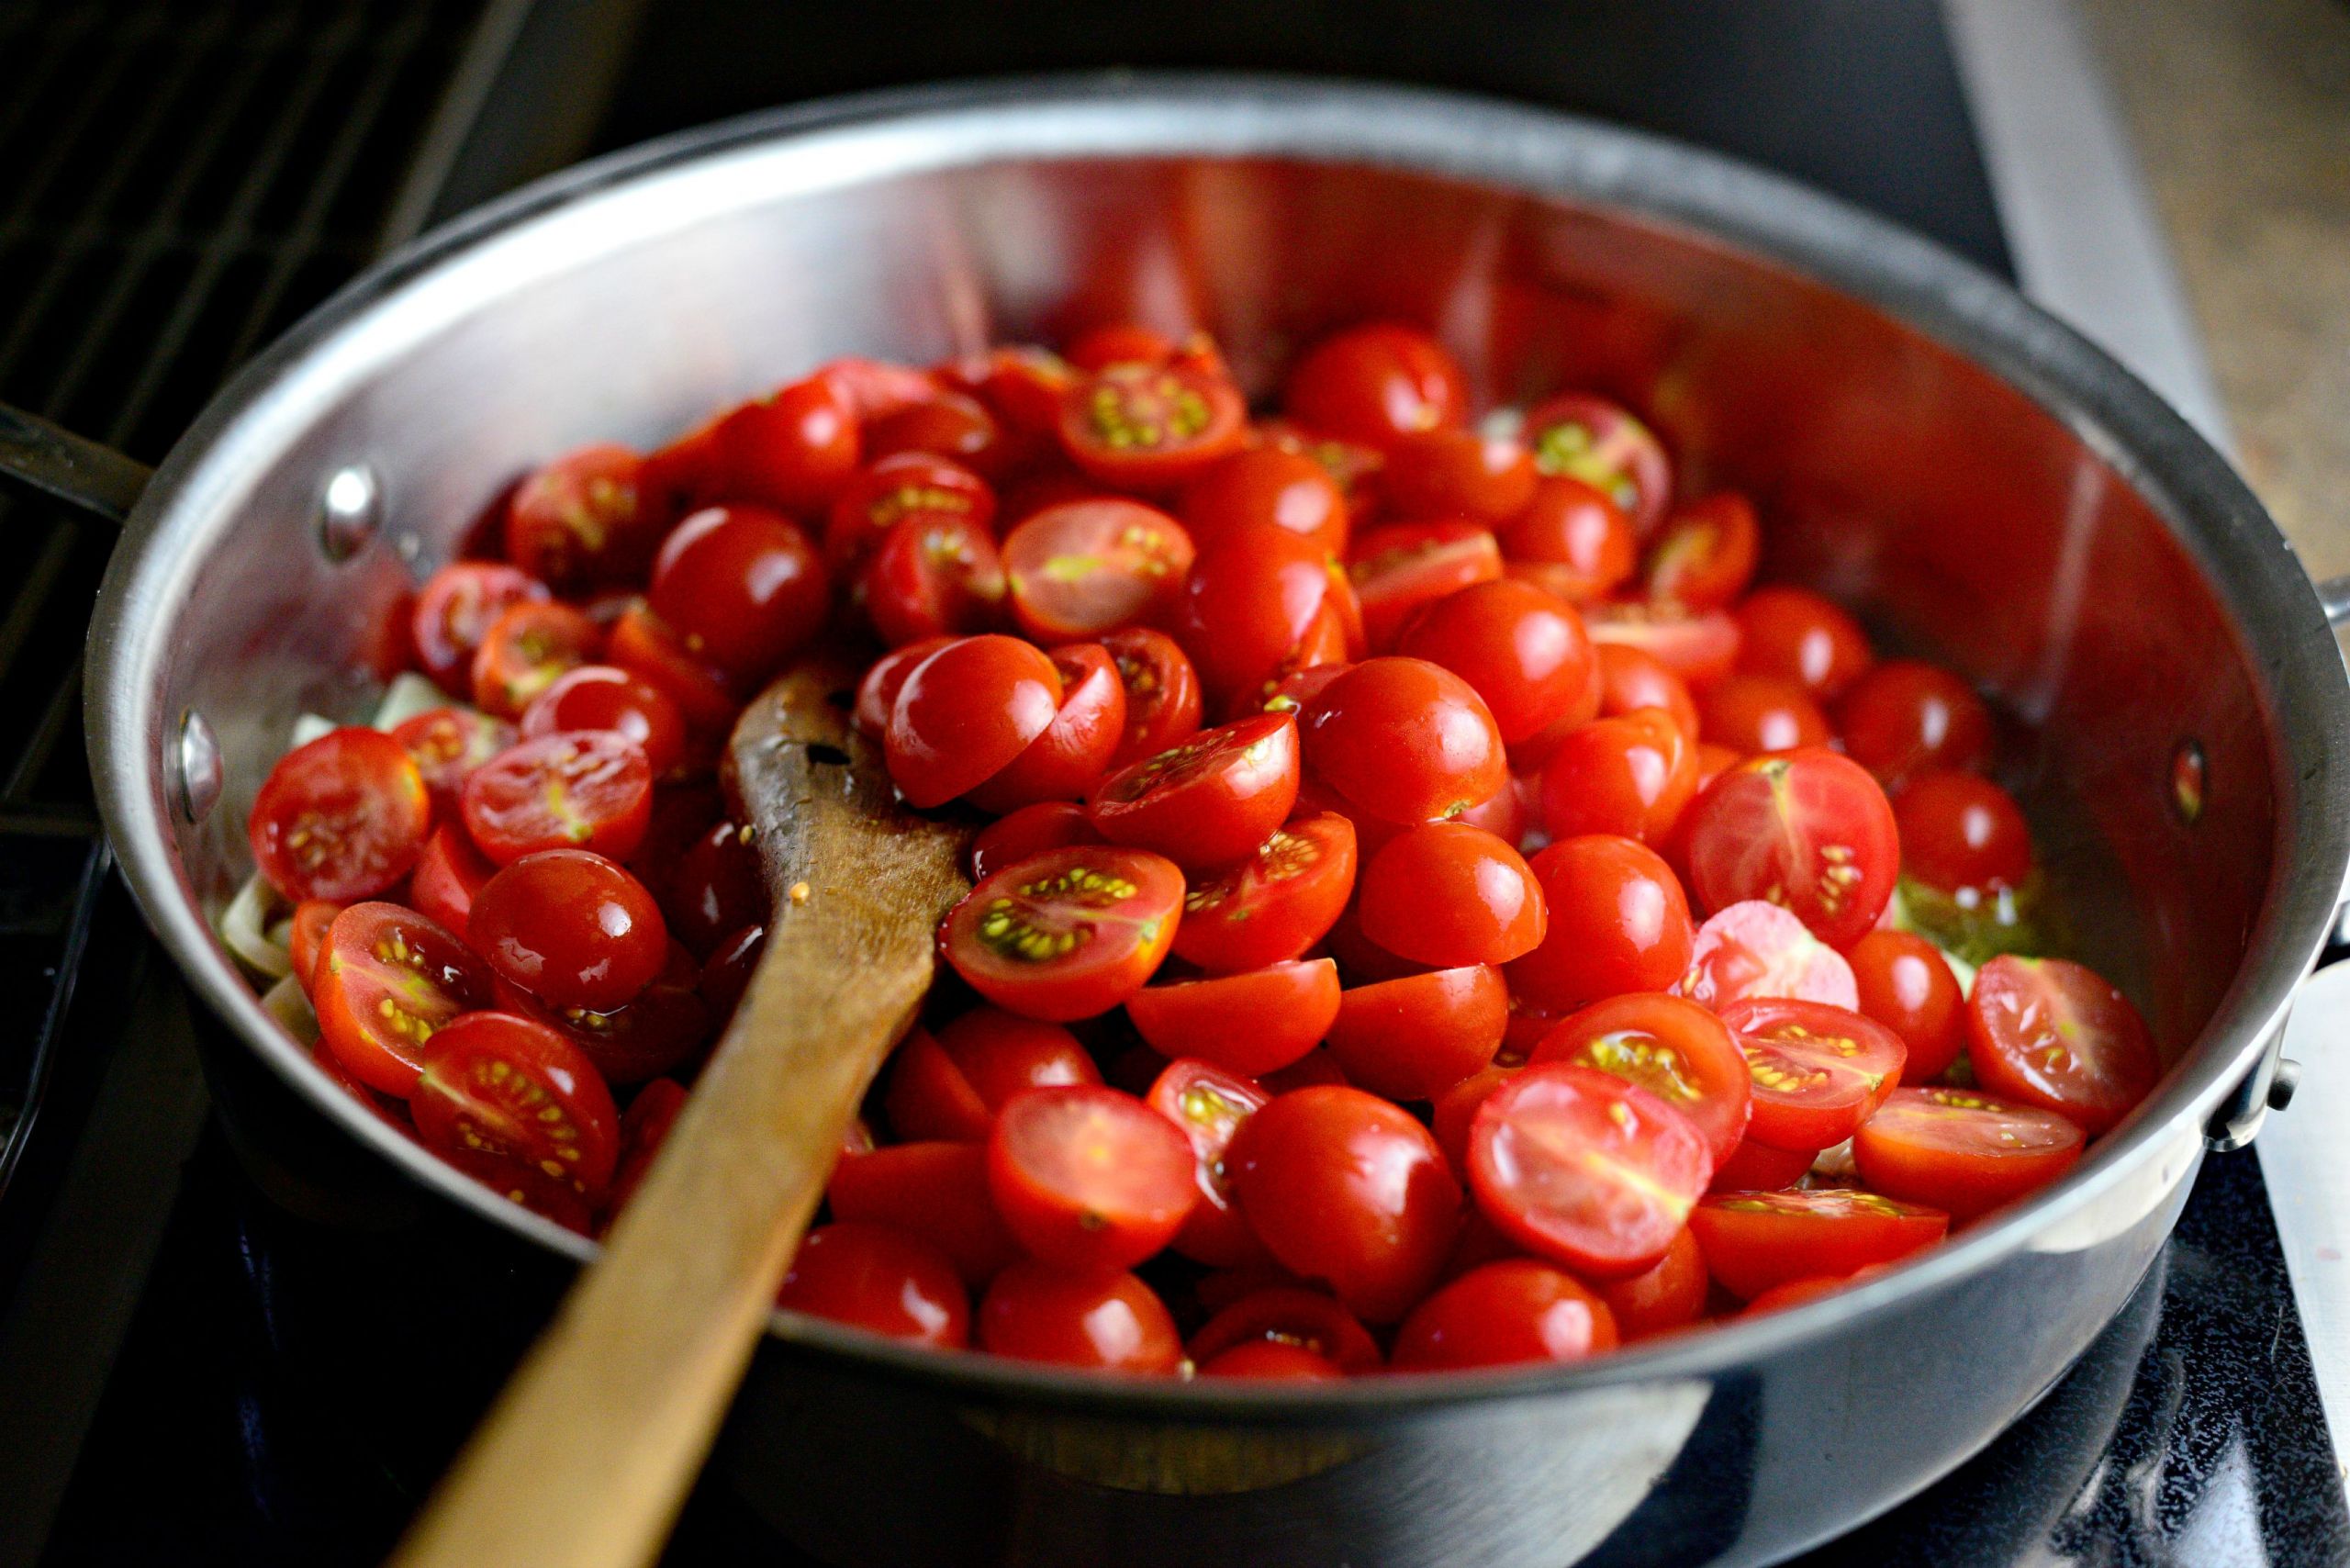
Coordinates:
[97,479]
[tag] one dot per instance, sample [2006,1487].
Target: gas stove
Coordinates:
[197,1364]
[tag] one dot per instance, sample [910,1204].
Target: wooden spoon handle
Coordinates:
[587,1456]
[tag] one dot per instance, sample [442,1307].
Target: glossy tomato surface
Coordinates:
[1082,568]
[1376,383]
[1753,1242]
[1818,1070]
[1207,1105]
[963,714]
[1963,1150]
[509,1089]
[1674,1049]
[1447,895]
[570,927]
[1274,905]
[572,789]
[1514,1310]
[1207,801]
[1618,922]
[1904,982]
[343,818]
[1415,1036]
[2055,1034]
[1253,1021]
[1068,932]
[882,1281]
[1406,741]
[1521,648]
[1100,1320]
[1088,1178]
[1808,829]
[386,979]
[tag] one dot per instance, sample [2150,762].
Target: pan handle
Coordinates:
[97,479]
[2334,593]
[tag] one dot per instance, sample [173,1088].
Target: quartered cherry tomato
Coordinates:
[1905,718]
[518,1090]
[1267,486]
[1274,905]
[1751,713]
[1904,983]
[1755,948]
[605,697]
[1207,1106]
[1669,1293]
[1511,1311]
[1399,568]
[879,1280]
[455,607]
[1068,932]
[907,487]
[1631,776]
[1960,831]
[1796,635]
[2055,1034]
[1406,741]
[1571,539]
[1206,802]
[1088,1178]
[1151,427]
[1753,1242]
[1074,751]
[1249,1023]
[572,789]
[585,520]
[1103,1320]
[964,714]
[1376,383]
[1705,553]
[343,818]
[934,577]
[1048,824]
[742,586]
[570,927]
[935,1191]
[1963,1150]
[1818,1070]
[793,450]
[1447,893]
[1522,649]
[448,744]
[1413,1037]
[1084,568]
[1674,1049]
[1808,829]
[1618,922]
[1599,442]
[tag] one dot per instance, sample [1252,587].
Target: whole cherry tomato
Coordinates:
[343,818]
[571,928]
[2055,1034]
[1267,486]
[1523,650]
[1571,539]
[964,714]
[1376,383]
[743,588]
[1751,713]
[1151,427]
[1206,802]
[513,1090]
[571,789]
[455,607]
[1674,1049]
[1249,1023]
[1068,932]
[1755,1241]
[1511,1311]
[1086,567]
[1796,635]
[1406,741]
[1960,831]
[1905,718]
[1618,923]
[879,1280]
[1963,1150]
[1599,442]
[1446,893]
[1274,905]
[1415,1038]
[1805,829]
[1904,982]
[1207,1106]
[1104,1320]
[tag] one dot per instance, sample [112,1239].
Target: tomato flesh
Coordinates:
[386,981]
[1088,1178]
[1753,1242]
[1818,1071]
[515,1090]
[343,818]
[1963,1150]
[1674,1049]
[1755,948]
[1808,829]
[572,789]
[1206,802]
[1068,932]
[2055,1034]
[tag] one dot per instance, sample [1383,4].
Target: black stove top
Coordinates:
[195,1368]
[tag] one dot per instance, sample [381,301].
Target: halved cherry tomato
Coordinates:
[1455,1110]
[934,576]
[1571,539]
[605,697]
[1705,553]
[1001,1054]
[1698,648]
[1151,427]
[1071,756]
[1399,568]
[1674,1049]
[1459,473]
[1904,982]
[1808,829]
[1267,486]
[1344,1187]
[1961,1149]
[1818,1070]
[644,643]
[875,389]
[899,489]
[645,1127]
[1796,635]
[306,938]
[1522,649]
[1375,383]
[1086,1177]
[1068,932]
[1206,802]
[1794,1293]
[726,973]
[1270,1359]
[1274,905]
[928,1099]
[1905,718]
[1669,1293]
[1631,776]
[1103,1320]
[455,607]
[1120,343]
[794,450]
[1751,713]
[1591,438]
[742,586]
[882,1281]
[511,1089]
[1500,1314]
[1415,1038]
[1447,893]
[525,649]
[964,714]
[1755,1241]
[1250,1023]
[715,889]
[935,1191]
[1286,1314]
[1082,568]
[876,694]
[570,927]
[572,789]
[343,818]
[1960,831]
[1754,948]
[2055,1034]
[1617,922]
[447,876]
[448,745]
[1585,1169]
[1162,693]
[1048,824]
[586,519]
[1252,598]
[1406,741]
[1207,1106]
[525,1184]
[947,424]
[1758,1167]
[659,1031]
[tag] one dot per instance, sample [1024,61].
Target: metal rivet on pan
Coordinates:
[349,510]
[2187,781]
[195,769]
[2281,1087]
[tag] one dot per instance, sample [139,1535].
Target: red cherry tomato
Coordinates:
[1270,1359]
[1082,568]
[1808,829]
[874,389]
[1571,539]
[1585,1169]
[1751,713]
[1705,553]
[455,607]
[1446,893]
[1048,824]
[877,693]
[1292,1315]
[586,519]
[306,935]
[572,789]
[964,714]
[644,643]
[571,928]
[511,1089]
[1593,440]
[1630,679]
[1617,922]
[1753,1242]
[1376,383]
[929,1098]
[1086,1177]
[1267,486]
[645,1127]
[1162,693]
[934,577]
[660,1031]
[1796,635]
[1522,649]
[1904,983]
[742,586]
[1401,567]
[1698,648]
[1511,1311]
[604,697]
[906,486]
[1100,1320]
[1794,1293]
[1905,718]
[1207,801]
[1406,741]
[1631,776]
[447,876]
[1961,832]
[1454,1111]
[882,1281]
[1250,1023]
[1071,756]
[1818,1070]
[1068,932]
[935,1191]
[1758,1167]
[1151,427]
[1207,1106]
[448,744]
[343,818]
[944,424]
[1457,473]
[794,451]
[1755,948]
[1252,598]
[1121,343]
[1274,905]
[1669,1293]
[1674,1049]
[1344,1187]
[525,649]
[1413,1037]
[715,889]
[1961,1149]
[726,973]
[1001,1054]
[2055,1034]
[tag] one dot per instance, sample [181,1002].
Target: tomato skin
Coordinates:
[507,1087]
[1457,473]
[1250,599]
[1753,1242]
[448,744]
[307,935]
[1794,1293]
[1267,486]
[1162,693]
[1797,635]
[1375,384]
[743,588]
[1249,1023]
[604,697]
[1447,894]
[1207,1105]
[1342,1186]
[1705,553]
[1415,1038]
[1287,1315]
[1208,801]
[571,928]
[715,889]
[944,424]
[1584,1169]
[1963,1150]
[1270,1359]
[1668,1294]
[1074,751]
[1048,824]
[904,486]
[964,714]
[1632,679]
[933,577]
[1906,717]
[2055,1034]
[877,693]
[1758,1167]
[1631,776]
[1100,1320]
[1521,649]
[726,973]
[1086,1177]
[1600,442]
[1571,539]
[929,1098]
[1500,1314]
[793,450]
[1086,567]
[1818,1071]
[644,645]
[645,1127]
[1119,342]
[1959,832]
[1807,829]
[1001,1054]
[343,818]
[1273,906]
[1904,982]
[1402,568]
[1755,948]
[584,519]
[1751,713]
[572,789]
[882,1281]
[1066,934]
[455,607]
[935,1191]
[1151,427]
[1406,741]
[1618,923]
[1674,1049]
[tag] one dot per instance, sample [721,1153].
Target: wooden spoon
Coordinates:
[587,1454]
